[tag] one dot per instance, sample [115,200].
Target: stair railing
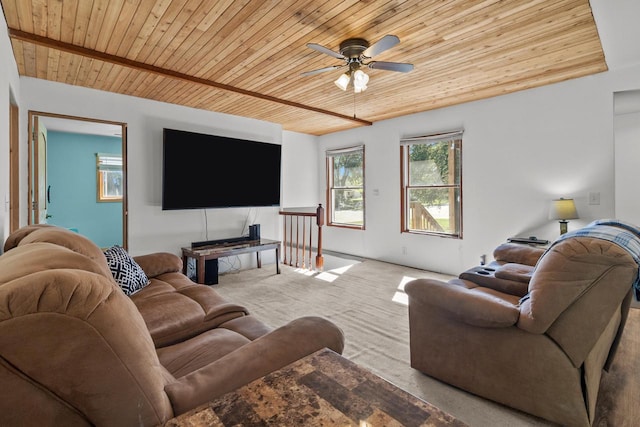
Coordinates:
[298,237]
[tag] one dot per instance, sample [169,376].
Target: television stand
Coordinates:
[226,249]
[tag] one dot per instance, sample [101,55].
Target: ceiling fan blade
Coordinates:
[322,70]
[387,42]
[391,66]
[325,50]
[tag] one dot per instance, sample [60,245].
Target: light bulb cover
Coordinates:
[360,80]
[343,81]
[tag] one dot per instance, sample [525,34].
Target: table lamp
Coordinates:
[563,209]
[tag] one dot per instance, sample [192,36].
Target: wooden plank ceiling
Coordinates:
[246,57]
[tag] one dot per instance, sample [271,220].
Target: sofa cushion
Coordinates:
[126,272]
[175,309]
[159,263]
[247,326]
[190,355]
[62,237]
[28,259]
[14,239]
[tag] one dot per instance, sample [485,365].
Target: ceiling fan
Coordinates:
[356,54]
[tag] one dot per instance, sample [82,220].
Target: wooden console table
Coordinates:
[202,254]
[323,389]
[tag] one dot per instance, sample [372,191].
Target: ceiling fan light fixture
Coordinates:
[356,53]
[343,81]
[360,80]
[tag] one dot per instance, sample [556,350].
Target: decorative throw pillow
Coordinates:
[126,272]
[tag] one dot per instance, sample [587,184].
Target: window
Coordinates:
[431,171]
[345,184]
[109,177]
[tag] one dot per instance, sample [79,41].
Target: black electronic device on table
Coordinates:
[533,240]
[229,240]
[254,232]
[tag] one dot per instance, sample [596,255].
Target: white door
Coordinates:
[39,204]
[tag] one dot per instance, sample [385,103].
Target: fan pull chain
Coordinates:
[354,104]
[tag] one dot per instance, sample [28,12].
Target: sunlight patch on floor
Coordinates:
[338,266]
[326,276]
[400,297]
[305,271]
[334,273]
[341,270]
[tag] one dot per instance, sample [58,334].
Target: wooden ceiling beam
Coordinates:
[113,59]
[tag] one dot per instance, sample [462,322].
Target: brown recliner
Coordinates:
[76,351]
[542,353]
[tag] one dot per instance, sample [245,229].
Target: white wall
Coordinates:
[520,151]
[299,170]
[9,93]
[627,154]
[151,228]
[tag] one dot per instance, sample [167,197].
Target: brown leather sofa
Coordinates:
[542,353]
[76,351]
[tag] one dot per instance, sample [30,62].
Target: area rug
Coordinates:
[366,300]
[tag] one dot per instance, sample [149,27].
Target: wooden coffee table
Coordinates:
[323,389]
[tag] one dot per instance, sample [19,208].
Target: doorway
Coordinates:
[77,176]
[14,169]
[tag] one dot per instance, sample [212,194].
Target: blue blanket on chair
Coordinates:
[623,234]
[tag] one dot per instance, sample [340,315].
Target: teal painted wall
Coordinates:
[71,173]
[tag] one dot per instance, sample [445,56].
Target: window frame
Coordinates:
[330,155]
[405,186]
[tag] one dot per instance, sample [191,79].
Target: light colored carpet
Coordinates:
[365,299]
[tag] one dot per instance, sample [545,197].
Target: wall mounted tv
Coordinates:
[202,171]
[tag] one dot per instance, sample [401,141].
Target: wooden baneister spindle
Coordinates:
[284,251]
[303,245]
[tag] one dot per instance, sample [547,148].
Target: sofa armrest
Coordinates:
[159,263]
[465,302]
[517,272]
[256,359]
[517,253]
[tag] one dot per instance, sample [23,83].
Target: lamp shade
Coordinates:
[343,81]
[563,209]
[360,80]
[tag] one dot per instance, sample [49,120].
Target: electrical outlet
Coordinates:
[404,250]
[594,198]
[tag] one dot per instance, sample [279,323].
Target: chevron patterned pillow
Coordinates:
[126,272]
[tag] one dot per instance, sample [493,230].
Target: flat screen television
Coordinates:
[202,171]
